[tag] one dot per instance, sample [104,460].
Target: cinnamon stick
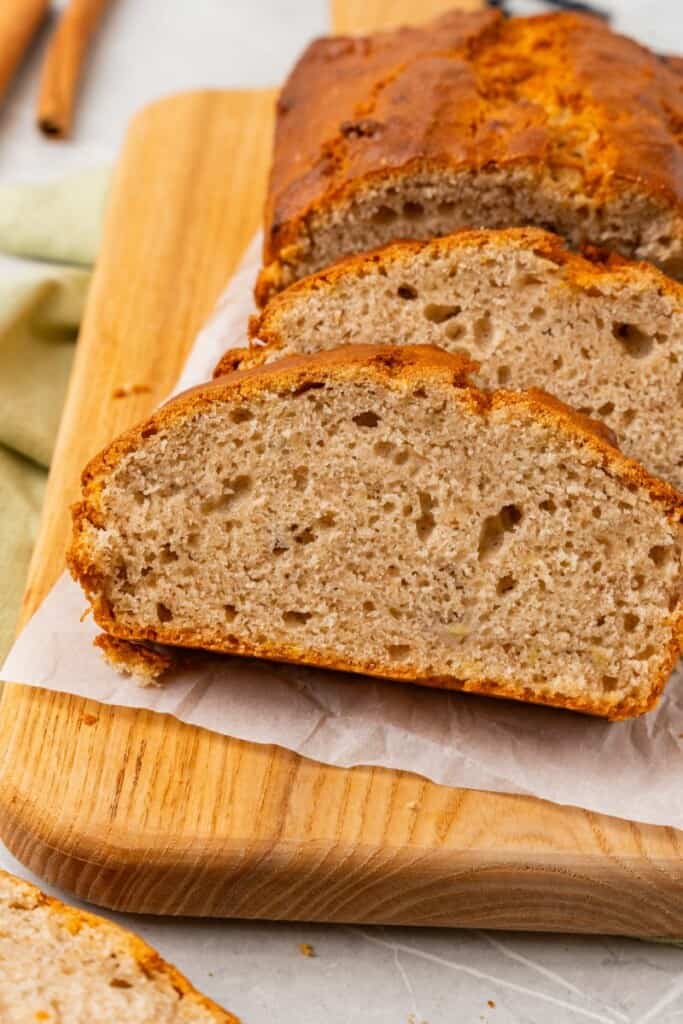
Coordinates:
[64,59]
[19,20]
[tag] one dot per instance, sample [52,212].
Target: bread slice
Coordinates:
[367,509]
[62,965]
[473,120]
[604,335]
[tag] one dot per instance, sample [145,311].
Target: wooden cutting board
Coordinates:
[138,812]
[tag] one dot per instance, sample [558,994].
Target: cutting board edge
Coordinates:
[503,892]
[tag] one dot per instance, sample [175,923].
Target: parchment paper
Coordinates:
[630,769]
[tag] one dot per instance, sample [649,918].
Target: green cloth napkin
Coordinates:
[40,312]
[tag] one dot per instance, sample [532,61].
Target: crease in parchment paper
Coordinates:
[629,769]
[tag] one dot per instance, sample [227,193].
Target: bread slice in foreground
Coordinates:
[607,337]
[473,120]
[62,965]
[367,509]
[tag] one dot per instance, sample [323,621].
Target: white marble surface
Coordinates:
[149,48]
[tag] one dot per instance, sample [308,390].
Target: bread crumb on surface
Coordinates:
[306,949]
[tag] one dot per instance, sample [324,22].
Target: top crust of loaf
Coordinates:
[594,267]
[473,91]
[24,896]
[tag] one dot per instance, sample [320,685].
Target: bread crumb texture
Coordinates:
[475,120]
[367,509]
[604,334]
[64,966]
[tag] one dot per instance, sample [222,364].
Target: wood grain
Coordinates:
[357,16]
[139,812]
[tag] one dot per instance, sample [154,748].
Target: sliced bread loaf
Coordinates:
[367,509]
[473,120]
[60,965]
[605,336]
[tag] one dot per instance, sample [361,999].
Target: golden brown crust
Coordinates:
[398,367]
[592,268]
[149,960]
[144,663]
[471,92]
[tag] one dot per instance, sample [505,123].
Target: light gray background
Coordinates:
[149,48]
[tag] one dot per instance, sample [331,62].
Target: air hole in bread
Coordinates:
[530,281]
[368,606]
[300,477]
[230,612]
[660,554]
[505,584]
[455,331]
[384,215]
[558,363]
[606,409]
[413,211]
[167,555]
[425,524]
[406,291]
[537,313]
[483,329]
[164,614]
[637,343]
[398,652]
[294,618]
[445,207]
[366,419]
[118,983]
[310,385]
[609,683]
[241,414]
[402,456]
[630,621]
[494,529]
[307,536]
[234,491]
[503,375]
[548,505]
[384,449]
[438,314]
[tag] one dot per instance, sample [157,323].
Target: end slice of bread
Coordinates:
[605,335]
[60,965]
[367,509]
[473,120]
